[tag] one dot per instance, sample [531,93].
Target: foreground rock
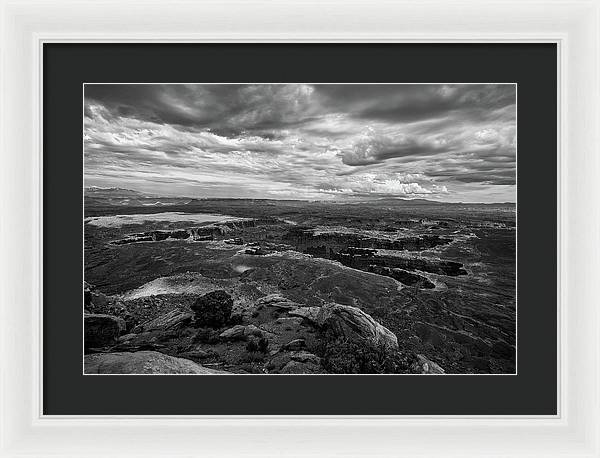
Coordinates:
[213,309]
[101,330]
[278,301]
[169,321]
[296,344]
[297,367]
[241,332]
[349,323]
[142,362]
[310,313]
[424,365]
[296,362]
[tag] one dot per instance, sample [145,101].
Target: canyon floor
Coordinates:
[298,287]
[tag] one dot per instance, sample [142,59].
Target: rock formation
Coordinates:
[349,323]
[101,330]
[169,321]
[213,309]
[355,325]
[241,332]
[424,365]
[142,362]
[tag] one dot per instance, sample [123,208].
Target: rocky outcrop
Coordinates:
[288,322]
[101,330]
[274,302]
[169,321]
[213,309]
[278,301]
[142,362]
[242,332]
[353,324]
[295,362]
[97,303]
[349,323]
[208,232]
[326,244]
[297,367]
[424,365]
[309,313]
[305,357]
[296,344]
[404,277]
[365,259]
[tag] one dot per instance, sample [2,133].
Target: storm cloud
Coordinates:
[302,141]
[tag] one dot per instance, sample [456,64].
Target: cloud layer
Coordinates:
[298,141]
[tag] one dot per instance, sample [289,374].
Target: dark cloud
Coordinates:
[374,149]
[457,142]
[226,108]
[410,103]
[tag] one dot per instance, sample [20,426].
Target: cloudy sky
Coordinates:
[301,141]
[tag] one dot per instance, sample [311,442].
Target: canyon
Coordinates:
[438,278]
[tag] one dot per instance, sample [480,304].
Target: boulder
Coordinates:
[308,313]
[242,332]
[213,309]
[293,321]
[234,241]
[353,324]
[169,321]
[295,362]
[100,301]
[277,361]
[296,367]
[296,344]
[277,301]
[101,330]
[305,357]
[424,365]
[126,337]
[142,362]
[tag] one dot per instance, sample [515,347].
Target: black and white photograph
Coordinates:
[299,228]
[280,230]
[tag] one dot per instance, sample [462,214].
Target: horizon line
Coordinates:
[350,200]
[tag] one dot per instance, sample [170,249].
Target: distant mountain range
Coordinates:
[111,193]
[96,195]
[425,202]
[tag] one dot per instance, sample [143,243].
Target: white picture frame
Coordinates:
[573,25]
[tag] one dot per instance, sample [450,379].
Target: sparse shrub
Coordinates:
[206,335]
[213,309]
[263,345]
[253,357]
[346,357]
[251,369]
[257,345]
[235,319]
[252,346]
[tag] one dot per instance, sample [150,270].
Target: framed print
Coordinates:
[300,228]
